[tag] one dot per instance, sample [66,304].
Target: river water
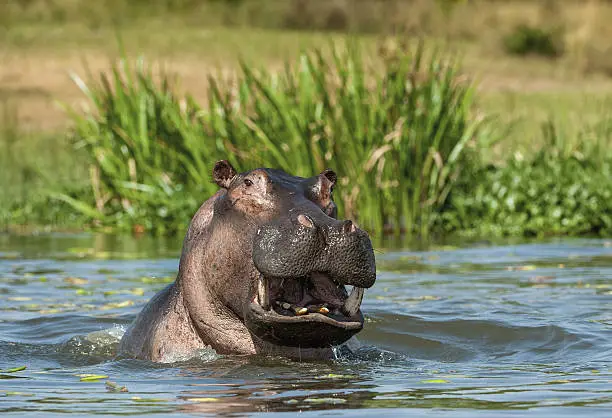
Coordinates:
[521,329]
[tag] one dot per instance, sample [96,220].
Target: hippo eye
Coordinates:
[248,182]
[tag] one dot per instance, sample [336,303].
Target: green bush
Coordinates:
[528,40]
[526,199]
[564,189]
[397,136]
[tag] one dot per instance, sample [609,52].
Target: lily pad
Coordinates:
[14,369]
[325,400]
[113,387]
[92,377]
[202,400]
[436,381]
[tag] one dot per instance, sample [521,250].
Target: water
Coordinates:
[482,330]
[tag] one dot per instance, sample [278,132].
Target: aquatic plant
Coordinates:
[148,150]
[563,189]
[398,134]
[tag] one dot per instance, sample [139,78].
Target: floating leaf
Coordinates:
[75,280]
[436,381]
[11,376]
[49,311]
[113,387]
[93,377]
[554,382]
[155,280]
[203,399]
[603,286]
[138,291]
[18,394]
[14,369]
[521,268]
[337,376]
[139,399]
[115,305]
[325,400]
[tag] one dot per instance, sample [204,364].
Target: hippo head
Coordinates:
[286,258]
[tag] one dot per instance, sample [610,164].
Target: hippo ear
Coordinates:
[223,173]
[331,176]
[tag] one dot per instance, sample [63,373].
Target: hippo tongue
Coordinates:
[321,288]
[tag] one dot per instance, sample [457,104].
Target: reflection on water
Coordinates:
[482,329]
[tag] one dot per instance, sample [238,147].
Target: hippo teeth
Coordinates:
[317,294]
[263,298]
[353,302]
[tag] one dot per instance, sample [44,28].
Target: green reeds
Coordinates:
[398,132]
[148,148]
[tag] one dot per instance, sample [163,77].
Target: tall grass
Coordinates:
[148,149]
[398,133]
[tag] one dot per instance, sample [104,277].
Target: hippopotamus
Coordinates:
[263,270]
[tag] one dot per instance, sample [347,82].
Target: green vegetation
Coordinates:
[415,142]
[524,40]
[364,16]
[565,188]
[397,136]
[29,175]
[405,139]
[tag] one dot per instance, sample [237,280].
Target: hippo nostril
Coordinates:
[306,221]
[348,227]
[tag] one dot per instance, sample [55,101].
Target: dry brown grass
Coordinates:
[36,85]
[37,57]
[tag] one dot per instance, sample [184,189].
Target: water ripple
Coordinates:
[479,330]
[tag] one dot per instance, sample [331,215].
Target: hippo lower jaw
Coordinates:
[308,312]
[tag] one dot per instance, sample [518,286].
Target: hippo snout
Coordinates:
[308,241]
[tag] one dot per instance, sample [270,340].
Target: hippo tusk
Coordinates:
[262,292]
[353,302]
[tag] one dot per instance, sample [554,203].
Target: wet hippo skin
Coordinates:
[263,270]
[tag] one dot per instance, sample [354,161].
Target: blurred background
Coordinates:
[518,150]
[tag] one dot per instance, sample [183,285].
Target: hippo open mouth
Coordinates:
[304,262]
[314,311]
[314,294]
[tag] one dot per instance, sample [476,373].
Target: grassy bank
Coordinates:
[413,151]
[41,41]
[35,165]
[563,188]
[500,183]
[405,123]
